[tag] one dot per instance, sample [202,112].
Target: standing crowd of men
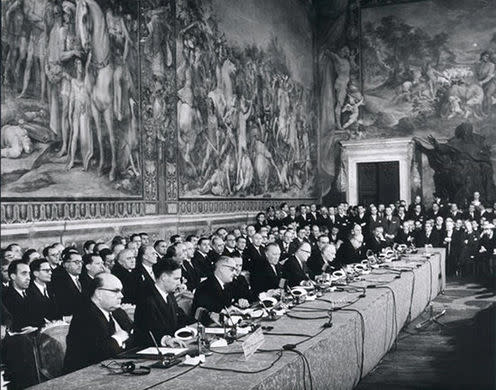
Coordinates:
[165,282]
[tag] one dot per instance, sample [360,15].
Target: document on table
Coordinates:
[163,350]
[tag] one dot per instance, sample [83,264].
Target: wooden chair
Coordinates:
[51,350]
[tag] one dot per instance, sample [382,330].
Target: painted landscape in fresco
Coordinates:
[246,123]
[426,67]
[70,99]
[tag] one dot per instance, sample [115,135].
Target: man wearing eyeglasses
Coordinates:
[101,329]
[295,268]
[40,296]
[213,294]
[66,283]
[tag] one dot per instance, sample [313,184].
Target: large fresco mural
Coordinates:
[428,68]
[70,100]
[245,109]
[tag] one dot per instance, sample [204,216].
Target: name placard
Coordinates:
[252,343]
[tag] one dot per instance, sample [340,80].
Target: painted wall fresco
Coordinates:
[71,99]
[428,67]
[245,110]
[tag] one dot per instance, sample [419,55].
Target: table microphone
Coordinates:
[165,361]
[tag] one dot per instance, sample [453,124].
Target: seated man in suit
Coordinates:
[267,274]
[429,237]
[124,269]
[40,296]
[315,261]
[217,250]
[93,264]
[240,289]
[101,329]
[66,283]
[213,294]
[295,268]
[159,313]
[161,248]
[230,247]
[190,270]
[254,253]
[377,242]
[200,257]
[147,258]
[350,251]
[15,297]
[404,236]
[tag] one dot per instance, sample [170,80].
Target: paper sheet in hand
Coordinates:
[164,350]
[252,343]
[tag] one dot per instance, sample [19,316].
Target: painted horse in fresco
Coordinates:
[92,30]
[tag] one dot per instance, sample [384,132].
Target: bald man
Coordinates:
[214,293]
[295,268]
[101,329]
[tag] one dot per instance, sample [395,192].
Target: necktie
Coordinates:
[78,284]
[172,308]
[24,293]
[111,324]
[46,293]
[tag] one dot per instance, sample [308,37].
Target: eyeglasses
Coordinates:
[77,262]
[230,267]
[304,250]
[49,270]
[114,290]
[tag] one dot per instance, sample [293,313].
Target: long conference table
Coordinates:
[338,357]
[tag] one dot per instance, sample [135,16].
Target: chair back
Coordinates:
[51,350]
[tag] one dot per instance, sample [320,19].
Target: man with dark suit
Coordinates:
[453,242]
[240,289]
[377,242]
[101,329]
[40,296]
[190,271]
[301,237]
[434,212]
[291,218]
[315,261]
[350,251]
[429,237]
[159,312]
[285,245]
[67,285]
[213,294]
[313,216]
[200,257]
[254,254]
[404,236]
[295,269]
[267,274]
[391,225]
[471,214]
[373,220]
[217,250]
[15,298]
[230,246]
[323,218]
[124,269]
[161,248]
[147,258]
[92,265]
[361,218]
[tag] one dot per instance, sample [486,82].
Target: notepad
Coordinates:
[163,350]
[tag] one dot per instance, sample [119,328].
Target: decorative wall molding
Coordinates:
[24,212]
